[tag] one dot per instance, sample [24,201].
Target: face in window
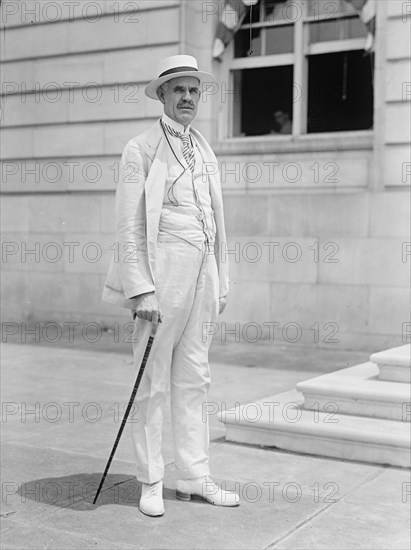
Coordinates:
[280,118]
[282,122]
[180,97]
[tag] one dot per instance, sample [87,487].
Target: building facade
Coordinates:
[312,135]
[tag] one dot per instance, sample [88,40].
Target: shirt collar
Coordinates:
[175,125]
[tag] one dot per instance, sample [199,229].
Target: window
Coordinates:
[299,67]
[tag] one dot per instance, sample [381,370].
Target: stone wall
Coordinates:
[75,96]
[314,260]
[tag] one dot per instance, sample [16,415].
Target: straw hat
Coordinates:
[174,67]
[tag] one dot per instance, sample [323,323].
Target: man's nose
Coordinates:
[187,95]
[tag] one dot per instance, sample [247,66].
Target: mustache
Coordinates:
[185,105]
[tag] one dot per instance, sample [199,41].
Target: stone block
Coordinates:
[273,260]
[17,143]
[15,256]
[338,214]
[389,311]
[107,213]
[162,25]
[395,129]
[65,292]
[112,102]
[32,11]
[319,215]
[69,140]
[33,252]
[289,215]
[248,302]
[122,66]
[36,175]
[62,174]
[34,42]
[366,262]
[399,42]
[246,215]
[109,33]
[53,141]
[18,76]
[15,297]
[324,170]
[230,174]
[134,65]
[92,174]
[356,391]
[322,313]
[394,364]
[90,252]
[390,214]
[397,166]
[201,27]
[69,72]
[14,213]
[11,15]
[39,108]
[12,179]
[397,85]
[64,213]
[396,8]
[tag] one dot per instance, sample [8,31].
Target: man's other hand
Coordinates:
[148,308]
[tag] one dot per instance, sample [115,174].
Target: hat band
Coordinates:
[178,70]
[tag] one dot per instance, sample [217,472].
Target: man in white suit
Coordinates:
[170,272]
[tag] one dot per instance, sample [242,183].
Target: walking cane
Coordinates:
[130,404]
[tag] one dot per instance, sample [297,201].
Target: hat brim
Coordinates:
[152,87]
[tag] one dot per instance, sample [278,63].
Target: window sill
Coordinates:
[333,141]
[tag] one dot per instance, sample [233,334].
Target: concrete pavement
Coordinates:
[62,406]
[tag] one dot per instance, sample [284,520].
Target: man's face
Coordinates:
[180,97]
[280,118]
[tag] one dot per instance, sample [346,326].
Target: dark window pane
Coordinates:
[338,29]
[266,101]
[340,92]
[242,43]
[279,40]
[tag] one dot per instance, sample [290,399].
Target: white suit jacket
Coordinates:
[139,201]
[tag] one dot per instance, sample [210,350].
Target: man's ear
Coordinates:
[160,94]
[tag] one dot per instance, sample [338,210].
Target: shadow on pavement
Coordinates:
[77,491]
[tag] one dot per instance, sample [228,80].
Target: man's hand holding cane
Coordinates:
[148,308]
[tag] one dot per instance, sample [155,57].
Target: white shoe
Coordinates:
[151,501]
[206,488]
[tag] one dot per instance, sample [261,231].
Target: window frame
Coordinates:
[299,59]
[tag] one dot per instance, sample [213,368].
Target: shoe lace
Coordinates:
[154,490]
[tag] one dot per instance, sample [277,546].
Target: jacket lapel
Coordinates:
[154,189]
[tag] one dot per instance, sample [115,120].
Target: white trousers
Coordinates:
[186,283]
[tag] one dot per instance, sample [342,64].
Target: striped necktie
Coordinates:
[188,152]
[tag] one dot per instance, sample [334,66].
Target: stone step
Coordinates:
[358,391]
[281,421]
[394,364]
